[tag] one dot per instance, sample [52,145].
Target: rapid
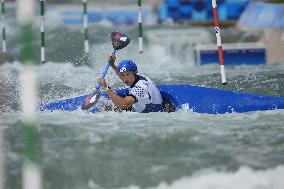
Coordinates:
[129,150]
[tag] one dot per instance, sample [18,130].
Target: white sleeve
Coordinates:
[142,94]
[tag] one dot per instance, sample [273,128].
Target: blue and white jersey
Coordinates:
[147,96]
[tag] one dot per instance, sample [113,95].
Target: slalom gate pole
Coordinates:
[86,27]
[42,49]
[140,38]
[3,21]
[31,175]
[219,43]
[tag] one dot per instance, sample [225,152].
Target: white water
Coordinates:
[245,178]
[157,150]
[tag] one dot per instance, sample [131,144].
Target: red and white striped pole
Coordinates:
[219,43]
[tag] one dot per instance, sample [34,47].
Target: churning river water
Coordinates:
[177,150]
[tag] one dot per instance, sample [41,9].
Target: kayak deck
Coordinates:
[198,99]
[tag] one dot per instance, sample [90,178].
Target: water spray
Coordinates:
[2,177]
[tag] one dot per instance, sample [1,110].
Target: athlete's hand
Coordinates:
[103,82]
[111,59]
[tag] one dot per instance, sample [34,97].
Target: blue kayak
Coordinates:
[198,99]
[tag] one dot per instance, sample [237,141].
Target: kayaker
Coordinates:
[143,96]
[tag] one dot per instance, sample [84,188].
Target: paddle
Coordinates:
[119,41]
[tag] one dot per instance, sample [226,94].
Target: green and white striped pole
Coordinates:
[42,49]
[86,27]
[31,172]
[3,21]
[140,38]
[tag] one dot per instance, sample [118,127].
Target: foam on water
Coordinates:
[64,80]
[157,150]
[245,178]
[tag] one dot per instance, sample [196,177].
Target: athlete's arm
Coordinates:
[111,61]
[121,102]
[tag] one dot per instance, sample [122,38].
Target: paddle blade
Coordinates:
[119,40]
[91,100]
